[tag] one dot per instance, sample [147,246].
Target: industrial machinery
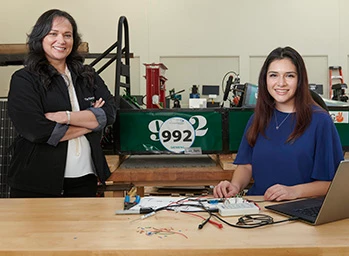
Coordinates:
[337,85]
[200,131]
[155,85]
[176,97]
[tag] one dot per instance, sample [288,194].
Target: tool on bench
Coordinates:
[129,196]
[132,196]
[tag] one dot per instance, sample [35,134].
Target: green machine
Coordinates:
[199,131]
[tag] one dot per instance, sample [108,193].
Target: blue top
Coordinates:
[313,156]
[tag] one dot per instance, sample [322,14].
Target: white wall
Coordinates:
[204,36]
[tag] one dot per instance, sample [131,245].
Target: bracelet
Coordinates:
[68,116]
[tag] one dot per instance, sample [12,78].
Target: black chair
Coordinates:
[317,98]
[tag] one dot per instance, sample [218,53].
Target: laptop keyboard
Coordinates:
[310,211]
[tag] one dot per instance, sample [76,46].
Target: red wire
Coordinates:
[219,225]
[251,201]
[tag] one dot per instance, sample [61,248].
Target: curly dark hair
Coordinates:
[36,60]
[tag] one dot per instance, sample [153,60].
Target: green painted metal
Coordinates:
[343,130]
[210,130]
[153,131]
[237,120]
[207,130]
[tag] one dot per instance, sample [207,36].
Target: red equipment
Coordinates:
[155,85]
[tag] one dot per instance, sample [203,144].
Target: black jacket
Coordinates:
[36,165]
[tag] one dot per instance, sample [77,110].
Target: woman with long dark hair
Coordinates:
[59,107]
[291,147]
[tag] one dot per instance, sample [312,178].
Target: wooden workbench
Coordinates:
[88,226]
[14,54]
[175,176]
[170,176]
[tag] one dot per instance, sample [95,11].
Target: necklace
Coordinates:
[276,121]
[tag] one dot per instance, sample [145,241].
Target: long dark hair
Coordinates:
[36,60]
[266,104]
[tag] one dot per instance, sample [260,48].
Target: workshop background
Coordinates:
[199,41]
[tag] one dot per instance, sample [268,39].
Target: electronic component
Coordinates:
[210,90]
[236,206]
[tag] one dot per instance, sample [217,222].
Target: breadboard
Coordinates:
[236,206]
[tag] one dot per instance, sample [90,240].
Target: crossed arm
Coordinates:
[80,123]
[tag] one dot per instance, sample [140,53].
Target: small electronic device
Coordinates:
[198,103]
[250,97]
[210,90]
[236,206]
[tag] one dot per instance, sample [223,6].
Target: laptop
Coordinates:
[319,210]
